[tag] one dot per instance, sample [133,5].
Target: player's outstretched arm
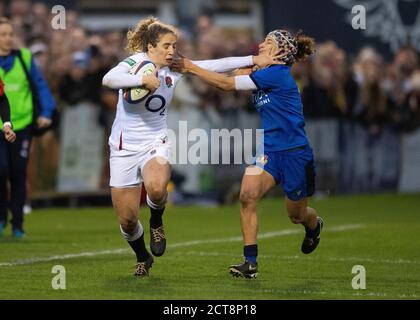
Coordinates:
[218,80]
[233,63]
[215,79]
[241,72]
[225,64]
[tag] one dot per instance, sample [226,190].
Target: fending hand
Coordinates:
[266,60]
[181,65]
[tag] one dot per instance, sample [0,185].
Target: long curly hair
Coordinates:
[294,48]
[147,31]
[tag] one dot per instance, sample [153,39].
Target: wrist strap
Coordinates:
[8,124]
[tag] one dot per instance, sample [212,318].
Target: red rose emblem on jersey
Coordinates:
[168,81]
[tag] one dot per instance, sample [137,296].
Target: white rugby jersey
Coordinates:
[137,126]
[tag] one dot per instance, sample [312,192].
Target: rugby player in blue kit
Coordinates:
[287,158]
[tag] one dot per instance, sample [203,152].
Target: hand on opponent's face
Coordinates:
[180,63]
[264,60]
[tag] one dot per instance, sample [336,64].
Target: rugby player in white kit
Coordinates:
[140,150]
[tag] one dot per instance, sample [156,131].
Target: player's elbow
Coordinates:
[107,81]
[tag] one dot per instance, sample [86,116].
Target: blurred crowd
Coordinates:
[365,89]
[359,108]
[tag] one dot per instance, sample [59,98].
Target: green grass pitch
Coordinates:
[379,232]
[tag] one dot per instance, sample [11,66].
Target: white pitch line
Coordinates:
[267,235]
[62,257]
[349,259]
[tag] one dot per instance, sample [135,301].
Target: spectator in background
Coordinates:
[20,11]
[378,141]
[328,99]
[72,20]
[75,86]
[79,40]
[406,61]
[407,117]
[21,76]
[210,40]
[331,91]
[43,159]
[302,73]
[7,136]
[39,51]
[374,103]
[402,87]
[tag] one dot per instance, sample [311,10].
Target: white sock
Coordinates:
[155,206]
[138,232]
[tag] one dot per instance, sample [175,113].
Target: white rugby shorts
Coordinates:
[126,166]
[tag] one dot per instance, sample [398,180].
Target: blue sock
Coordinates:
[251,253]
[252,259]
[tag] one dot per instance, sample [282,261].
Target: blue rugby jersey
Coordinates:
[279,104]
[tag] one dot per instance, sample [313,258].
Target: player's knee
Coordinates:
[248,197]
[157,193]
[296,219]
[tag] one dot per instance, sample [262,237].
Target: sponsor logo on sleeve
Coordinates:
[130,62]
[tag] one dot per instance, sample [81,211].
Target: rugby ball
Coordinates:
[138,94]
